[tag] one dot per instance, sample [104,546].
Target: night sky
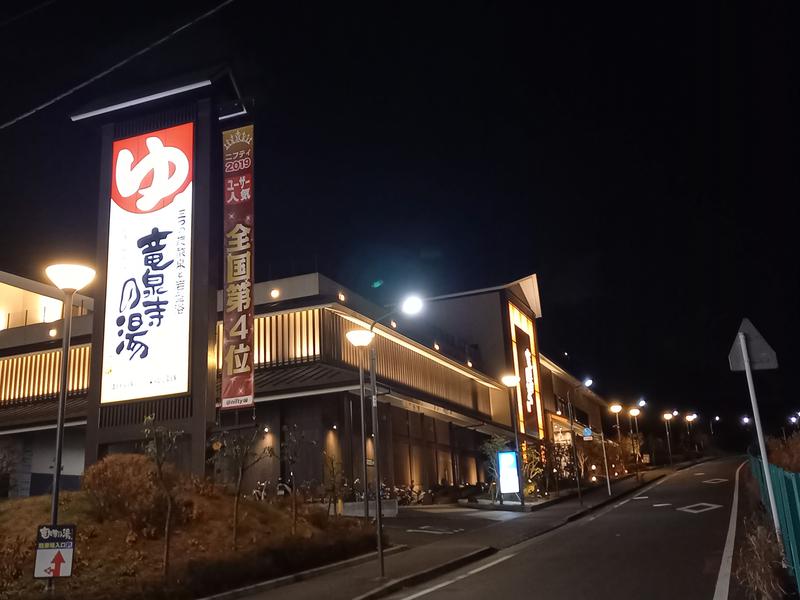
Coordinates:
[641,159]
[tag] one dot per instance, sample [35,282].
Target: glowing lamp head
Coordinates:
[642,402]
[745,420]
[411,305]
[634,412]
[793,419]
[70,278]
[674,413]
[667,416]
[275,293]
[588,382]
[360,338]
[691,417]
[510,380]
[615,408]
[716,418]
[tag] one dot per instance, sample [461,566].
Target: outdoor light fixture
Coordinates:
[674,413]
[667,416]
[393,323]
[634,412]
[334,425]
[266,429]
[594,467]
[360,338]
[52,332]
[469,364]
[745,420]
[615,408]
[274,293]
[594,478]
[411,305]
[70,278]
[341,297]
[642,402]
[558,412]
[691,417]
[793,419]
[588,382]
[435,346]
[716,418]
[510,380]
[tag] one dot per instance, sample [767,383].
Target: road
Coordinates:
[666,542]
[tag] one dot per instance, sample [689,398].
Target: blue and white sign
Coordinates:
[587,434]
[507,465]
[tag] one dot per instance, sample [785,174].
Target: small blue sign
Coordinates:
[587,432]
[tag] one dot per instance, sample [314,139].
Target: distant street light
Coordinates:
[69,279]
[746,420]
[674,413]
[667,416]
[616,408]
[635,412]
[642,402]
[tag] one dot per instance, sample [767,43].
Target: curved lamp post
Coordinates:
[69,279]
[362,338]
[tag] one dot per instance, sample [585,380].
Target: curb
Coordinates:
[420,576]
[270,584]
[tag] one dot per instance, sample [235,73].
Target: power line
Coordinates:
[25,13]
[118,65]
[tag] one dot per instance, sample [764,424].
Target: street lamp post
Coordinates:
[586,383]
[361,338]
[616,408]
[667,417]
[635,412]
[511,382]
[69,279]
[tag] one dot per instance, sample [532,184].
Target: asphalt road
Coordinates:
[665,542]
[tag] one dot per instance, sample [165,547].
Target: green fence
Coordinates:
[786,486]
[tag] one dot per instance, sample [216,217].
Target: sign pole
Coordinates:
[373,372]
[760,434]
[605,461]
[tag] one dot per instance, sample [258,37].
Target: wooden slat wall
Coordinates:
[35,375]
[283,339]
[404,366]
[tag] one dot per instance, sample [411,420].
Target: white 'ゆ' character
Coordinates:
[129,179]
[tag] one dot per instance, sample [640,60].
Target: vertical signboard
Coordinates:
[507,467]
[55,545]
[525,368]
[148,300]
[237,306]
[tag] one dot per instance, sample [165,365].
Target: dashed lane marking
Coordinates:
[715,480]
[662,504]
[640,498]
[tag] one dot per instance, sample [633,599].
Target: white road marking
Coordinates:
[724,576]
[646,489]
[700,507]
[715,480]
[431,531]
[636,498]
[439,586]
[699,473]
[662,504]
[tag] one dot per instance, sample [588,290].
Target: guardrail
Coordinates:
[786,486]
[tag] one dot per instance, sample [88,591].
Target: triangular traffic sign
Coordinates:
[762,356]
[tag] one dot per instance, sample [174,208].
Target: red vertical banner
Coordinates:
[237,308]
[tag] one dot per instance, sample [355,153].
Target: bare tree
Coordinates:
[291,442]
[335,478]
[244,451]
[160,444]
[490,448]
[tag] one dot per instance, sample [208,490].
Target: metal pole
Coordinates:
[635,452]
[605,461]
[669,444]
[363,433]
[619,432]
[376,432]
[761,446]
[62,402]
[574,449]
[514,417]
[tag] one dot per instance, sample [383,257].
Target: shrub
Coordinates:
[15,560]
[760,567]
[123,486]
[785,453]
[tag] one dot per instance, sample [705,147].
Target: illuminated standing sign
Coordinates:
[523,348]
[148,301]
[507,466]
[237,306]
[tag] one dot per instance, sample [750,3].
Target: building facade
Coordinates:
[439,379]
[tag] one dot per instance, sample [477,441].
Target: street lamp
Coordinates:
[616,408]
[667,416]
[745,420]
[362,338]
[635,412]
[642,403]
[511,382]
[69,279]
[587,383]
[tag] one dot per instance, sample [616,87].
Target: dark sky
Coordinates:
[640,158]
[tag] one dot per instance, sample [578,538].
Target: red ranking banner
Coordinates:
[237,307]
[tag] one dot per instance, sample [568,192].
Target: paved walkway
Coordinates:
[361,580]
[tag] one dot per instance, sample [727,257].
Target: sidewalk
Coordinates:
[428,561]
